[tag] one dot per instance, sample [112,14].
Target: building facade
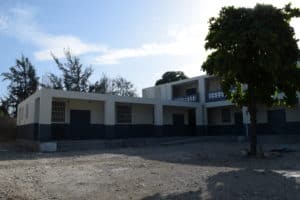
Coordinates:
[195,106]
[221,117]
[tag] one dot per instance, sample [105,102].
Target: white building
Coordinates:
[194,106]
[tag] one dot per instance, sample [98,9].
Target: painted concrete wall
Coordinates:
[215,115]
[293,114]
[96,109]
[28,105]
[168,114]
[179,90]
[142,114]
[213,84]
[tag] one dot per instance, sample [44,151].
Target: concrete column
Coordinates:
[158,115]
[199,116]
[205,116]
[202,92]
[45,107]
[44,128]
[246,120]
[109,112]
[246,117]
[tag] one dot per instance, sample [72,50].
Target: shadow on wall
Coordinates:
[252,184]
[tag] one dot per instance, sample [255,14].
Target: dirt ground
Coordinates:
[191,171]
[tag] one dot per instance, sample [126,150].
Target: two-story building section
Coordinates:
[221,117]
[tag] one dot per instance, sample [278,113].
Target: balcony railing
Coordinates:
[188,98]
[215,96]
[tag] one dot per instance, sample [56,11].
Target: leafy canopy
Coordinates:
[23,83]
[74,76]
[171,76]
[255,53]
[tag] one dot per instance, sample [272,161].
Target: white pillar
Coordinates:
[109,112]
[246,117]
[158,115]
[199,116]
[45,107]
[44,128]
[202,92]
[246,120]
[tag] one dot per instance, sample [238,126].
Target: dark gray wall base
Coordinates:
[28,132]
[44,132]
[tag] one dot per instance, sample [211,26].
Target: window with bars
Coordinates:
[58,111]
[123,114]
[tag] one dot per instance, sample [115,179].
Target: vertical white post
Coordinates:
[158,115]
[44,129]
[246,119]
[199,116]
[109,112]
[202,92]
[45,107]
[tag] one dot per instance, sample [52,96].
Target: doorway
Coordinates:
[79,123]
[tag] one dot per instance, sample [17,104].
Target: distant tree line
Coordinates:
[23,81]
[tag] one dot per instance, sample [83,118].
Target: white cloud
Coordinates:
[20,23]
[186,41]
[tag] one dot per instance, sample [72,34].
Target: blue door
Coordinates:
[80,124]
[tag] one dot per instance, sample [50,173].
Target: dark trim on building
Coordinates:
[50,132]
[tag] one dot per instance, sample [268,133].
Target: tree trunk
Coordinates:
[252,112]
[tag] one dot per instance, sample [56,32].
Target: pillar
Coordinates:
[109,112]
[158,115]
[44,126]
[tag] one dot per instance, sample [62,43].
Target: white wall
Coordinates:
[142,114]
[22,119]
[215,115]
[96,109]
[293,114]
[168,114]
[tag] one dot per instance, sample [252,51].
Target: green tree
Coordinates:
[102,86]
[122,87]
[74,77]
[254,52]
[117,86]
[23,83]
[171,76]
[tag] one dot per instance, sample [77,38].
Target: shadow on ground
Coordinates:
[241,184]
[191,195]
[233,185]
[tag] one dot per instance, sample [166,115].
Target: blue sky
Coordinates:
[138,40]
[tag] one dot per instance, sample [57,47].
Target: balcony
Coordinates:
[188,98]
[215,96]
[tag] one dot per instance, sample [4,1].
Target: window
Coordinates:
[26,111]
[226,116]
[123,114]
[58,111]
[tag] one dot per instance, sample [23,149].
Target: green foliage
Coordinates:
[118,86]
[23,83]
[53,82]
[74,77]
[254,47]
[171,76]
[255,53]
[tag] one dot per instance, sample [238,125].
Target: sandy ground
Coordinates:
[190,171]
